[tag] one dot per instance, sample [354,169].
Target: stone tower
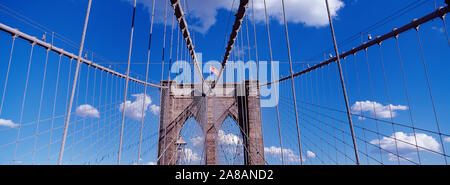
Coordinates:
[239,101]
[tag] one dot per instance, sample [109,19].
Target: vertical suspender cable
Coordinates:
[369,74]
[389,100]
[68,86]
[256,43]
[66,124]
[23,100]
[445,29]
[407,96]
[360,105]
[126,83]
[146,79]
[273,74]
[7,72]
[344,91]
[178,48]
[431,94]
[40,107]
[248,46]
[55,95]
[164,42]
[292,82]
[171,48]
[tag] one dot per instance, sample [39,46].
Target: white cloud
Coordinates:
[150,163]
[308,12]
[382,111]
[8,123]
[288,154]
[198,141]
[228,142]
[392,157]
[134,109]
[87,110]
[154,109]
[203,14]
[310,154]
[438,29]
[190,156]
[228,139]
[423,140]
[447,139]
[223,138]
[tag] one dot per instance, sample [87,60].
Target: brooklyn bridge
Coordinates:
[372,96]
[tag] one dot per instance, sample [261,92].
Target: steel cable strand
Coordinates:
[430,93]
[407,96]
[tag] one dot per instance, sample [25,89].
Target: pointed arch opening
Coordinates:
[230,148]
[190,144]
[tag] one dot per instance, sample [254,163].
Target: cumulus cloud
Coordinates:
[198,141]
[288,154]
[222,139]
[203,14]
[87,111]
[135,110]
[376,109]
[310,154]
[8,123]
[191,156]
[154,109]
[309,12]
[150,163]
[423,141]
[228,142]
[447,139]
[228,139]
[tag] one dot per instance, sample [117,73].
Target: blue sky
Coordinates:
[108,36]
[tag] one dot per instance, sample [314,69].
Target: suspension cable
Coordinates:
[126,83]
[234,33]
[23,101]
[146,79]
[171,49]
[164,42]
[54,106]
[69,109]
[256,43]
[7,71]
[388,99]
[292,81]
[273,73]
[407,96]
[373,103]
[430,93]
[40,106]
[416,22]
[355,63]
